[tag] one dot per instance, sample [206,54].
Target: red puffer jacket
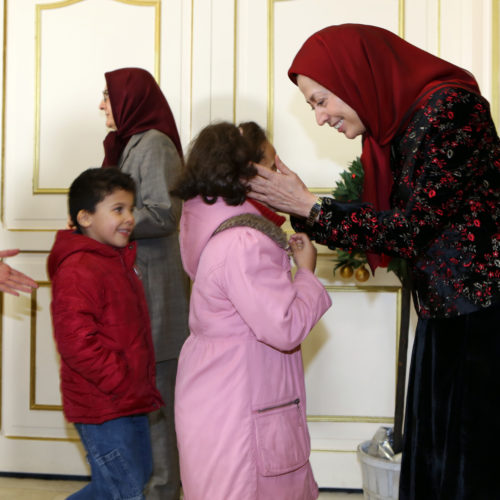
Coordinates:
[102,331]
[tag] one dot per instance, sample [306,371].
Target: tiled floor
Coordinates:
[40,489]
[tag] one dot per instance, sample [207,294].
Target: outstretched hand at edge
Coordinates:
[12,281]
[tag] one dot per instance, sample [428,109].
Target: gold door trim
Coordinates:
[33,405]
[235,58]
[495,64]
[32,395]
[350,419]
[366,289]
[270,57]
[38,54]
[40,438]
[2,152]
[322,450]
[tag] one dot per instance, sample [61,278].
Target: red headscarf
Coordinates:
[382,77]
[138,104]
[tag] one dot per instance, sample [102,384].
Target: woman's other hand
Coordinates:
[303,251]
[283,190]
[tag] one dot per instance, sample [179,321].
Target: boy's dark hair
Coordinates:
[92,186]
[256,138]
[218,164]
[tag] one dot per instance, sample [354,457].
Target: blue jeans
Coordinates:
[119,454]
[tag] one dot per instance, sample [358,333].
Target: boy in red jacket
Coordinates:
[101,327]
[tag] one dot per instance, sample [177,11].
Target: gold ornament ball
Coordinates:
[346,272]
[362,273]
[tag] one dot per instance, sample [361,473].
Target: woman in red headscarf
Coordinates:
[144,143]
[431,157]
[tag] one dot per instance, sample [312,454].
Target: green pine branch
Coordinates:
[354,259]
[349,188]
[350,185]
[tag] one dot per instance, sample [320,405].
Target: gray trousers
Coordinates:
[165,483]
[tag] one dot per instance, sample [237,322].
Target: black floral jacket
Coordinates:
[445,215]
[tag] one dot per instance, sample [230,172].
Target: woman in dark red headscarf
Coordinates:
[431,157]
[144,143]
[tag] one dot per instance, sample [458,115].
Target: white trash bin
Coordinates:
[380,476]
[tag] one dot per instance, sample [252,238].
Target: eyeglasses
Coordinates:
[105,95]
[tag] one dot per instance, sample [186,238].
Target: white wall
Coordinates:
[217,59]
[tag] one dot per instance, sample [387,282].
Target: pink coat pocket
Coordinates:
[282,438]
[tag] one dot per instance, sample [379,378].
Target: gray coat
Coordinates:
[152,160]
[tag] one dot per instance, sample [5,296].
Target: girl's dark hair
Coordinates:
[256,138]
[92,186]
[218,164]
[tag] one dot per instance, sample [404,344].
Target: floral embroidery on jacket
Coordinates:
[445,201]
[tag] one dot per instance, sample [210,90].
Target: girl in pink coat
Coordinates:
[240,407]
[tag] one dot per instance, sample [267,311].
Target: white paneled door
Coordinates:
[215,60]
[56,54]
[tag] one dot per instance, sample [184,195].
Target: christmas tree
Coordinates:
[353,261]
[349,188]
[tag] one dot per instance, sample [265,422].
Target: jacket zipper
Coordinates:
[269,408]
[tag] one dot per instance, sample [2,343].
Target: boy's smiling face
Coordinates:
[113,220]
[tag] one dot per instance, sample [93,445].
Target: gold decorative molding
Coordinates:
[157,5]
[191,50]
[321,191]
[38,53]
[36,438]
[33,404]
[2,132]
[32,372]
[367,289]
[270,69]
[350,419]
[321,450]
[495,63]
[439,27]
[401,19]
[270,56]
[32,230]
[2,295]
[235,57]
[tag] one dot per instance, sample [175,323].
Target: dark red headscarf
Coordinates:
[382,77]
[138,104]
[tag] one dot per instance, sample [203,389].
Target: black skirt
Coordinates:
[451,447]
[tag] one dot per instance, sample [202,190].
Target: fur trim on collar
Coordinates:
[256,222]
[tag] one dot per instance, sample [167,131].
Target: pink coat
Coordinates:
[240,397]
